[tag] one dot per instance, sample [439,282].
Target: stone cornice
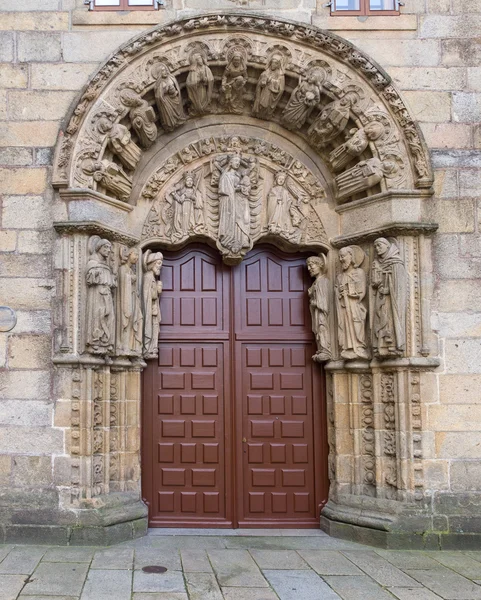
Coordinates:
[95,228]
[390,229]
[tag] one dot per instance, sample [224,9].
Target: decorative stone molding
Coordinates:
[235,129]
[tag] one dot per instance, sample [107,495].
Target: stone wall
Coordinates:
[48,50]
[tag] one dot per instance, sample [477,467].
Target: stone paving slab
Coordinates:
[203,586]
[107,585]
[10,586]
[236,568]
[294,566]
[357,588]
[294,585]
[172,581]
[195,561]
[278,559]
[328,562]
[249,594]
[56,579]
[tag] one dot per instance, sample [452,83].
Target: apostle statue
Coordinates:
[330,123]
[363,176]
[234,209]
[129,310]
[199,84]
[269,88]
[113,178]
[142,117]
[350,291]
[233,83]
[187,207]
[320,306]
[355,145]
[100,280]
[168,99]
[151,290]
[302,101]
[389,281]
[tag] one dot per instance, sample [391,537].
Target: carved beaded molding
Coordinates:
[328,93]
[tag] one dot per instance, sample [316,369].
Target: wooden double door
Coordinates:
[234,409]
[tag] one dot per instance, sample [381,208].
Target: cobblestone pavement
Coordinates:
[236,565]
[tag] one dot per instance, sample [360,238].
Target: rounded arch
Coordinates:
[176,82]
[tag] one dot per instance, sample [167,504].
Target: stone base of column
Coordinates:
[109,520]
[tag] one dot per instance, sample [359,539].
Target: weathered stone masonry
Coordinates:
[70,434]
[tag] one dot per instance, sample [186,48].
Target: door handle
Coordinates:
[244,440]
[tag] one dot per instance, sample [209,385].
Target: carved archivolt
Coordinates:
[305,79]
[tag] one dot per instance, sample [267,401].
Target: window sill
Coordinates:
[82,18]
[393,23]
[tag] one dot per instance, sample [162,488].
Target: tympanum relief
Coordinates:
[236,191]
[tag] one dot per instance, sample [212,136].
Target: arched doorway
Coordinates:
[175,141]
[234,430]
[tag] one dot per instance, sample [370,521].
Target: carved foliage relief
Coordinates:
[304,79]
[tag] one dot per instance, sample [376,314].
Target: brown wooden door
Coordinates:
[233,414]
[278,394]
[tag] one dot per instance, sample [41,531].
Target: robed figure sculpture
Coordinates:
[351,313]
[100,280]
[151,290]
[320,306]
[129,311]
[389,281]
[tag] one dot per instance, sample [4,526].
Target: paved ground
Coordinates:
[237,565]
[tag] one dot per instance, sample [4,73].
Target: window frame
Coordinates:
[365,10]
[123,6]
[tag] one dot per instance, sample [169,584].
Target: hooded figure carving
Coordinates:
[389,281]
[151,290]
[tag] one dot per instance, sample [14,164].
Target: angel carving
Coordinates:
[187,207]
[288,207]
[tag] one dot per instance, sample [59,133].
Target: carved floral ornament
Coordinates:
[304,79]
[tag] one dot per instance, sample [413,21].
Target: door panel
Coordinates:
[187,479]
[278,391]
[233,421]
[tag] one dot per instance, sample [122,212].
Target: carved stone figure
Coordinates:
[366,174]
[269,88]
[233,83]
[168,99]
[389,281]
[100,314]
[330,123]
[302,101]
[142,117]
[320,306]
[120,143]
[113,178]
[287,209]
[151,290]
[355,145]
[129,311]
[187,208]
[200,83]
[234,211]
[350,291]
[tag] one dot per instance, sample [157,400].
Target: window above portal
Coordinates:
[124,4]
[365,7]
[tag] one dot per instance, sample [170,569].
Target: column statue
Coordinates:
[350,291]
[129,312]
[151,290]
[389,281]
[100,314]
[320,306]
